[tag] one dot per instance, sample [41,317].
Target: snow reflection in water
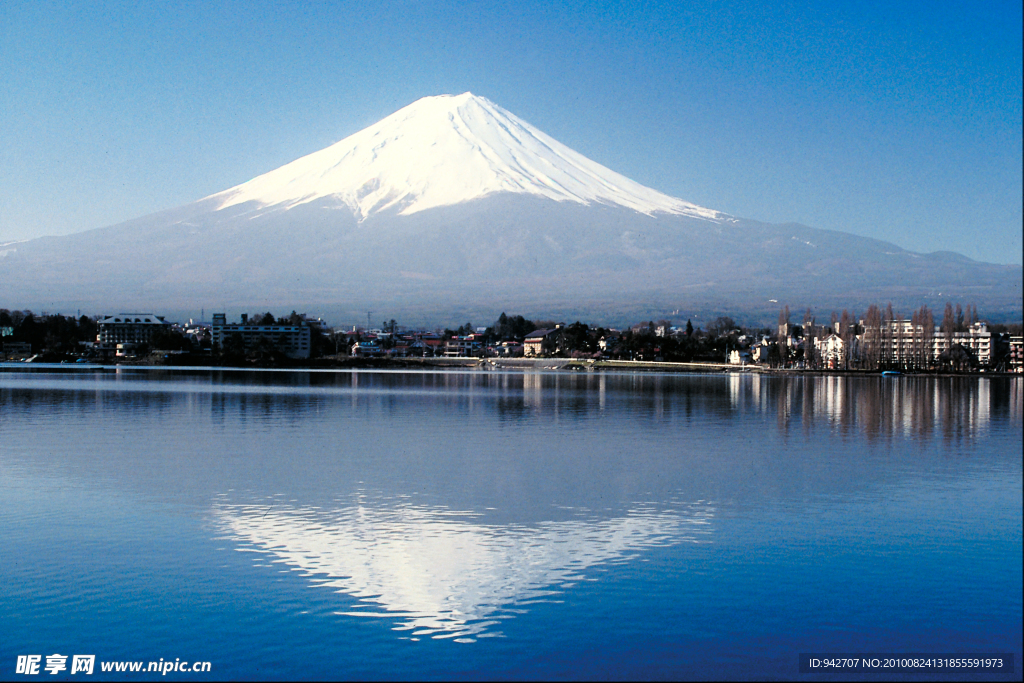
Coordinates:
[439,572]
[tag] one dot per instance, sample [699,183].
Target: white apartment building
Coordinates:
[292,340]
[129,328]
[901,341]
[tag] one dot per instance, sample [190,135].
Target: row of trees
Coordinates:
[649,340]
[883,339]
[57,333]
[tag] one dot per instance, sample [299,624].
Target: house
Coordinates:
[540,342]
[739,357]
[759,352]
[463,346]
[366,349]
[433,345]
[505,349]
[832,351]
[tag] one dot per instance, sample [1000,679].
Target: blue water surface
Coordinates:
[506,525]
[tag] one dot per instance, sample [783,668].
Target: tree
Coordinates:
[689,328]
[167,339]
[266,350]
[234,348]
[512,328]
[577,338]
[888,336]
[844,334]
[87,329]
[784,321]
[873,337]
[948,326]
[927,321]
[721,326]
[923,326]
[958,358]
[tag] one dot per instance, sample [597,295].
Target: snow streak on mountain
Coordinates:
[446,150]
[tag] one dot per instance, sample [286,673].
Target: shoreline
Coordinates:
[489,364]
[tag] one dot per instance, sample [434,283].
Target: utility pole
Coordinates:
[368,320]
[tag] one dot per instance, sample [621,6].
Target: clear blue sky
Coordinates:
[896,120]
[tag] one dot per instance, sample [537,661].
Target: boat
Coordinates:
[890,373]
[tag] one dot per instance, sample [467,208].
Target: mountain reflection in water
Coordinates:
[439,572]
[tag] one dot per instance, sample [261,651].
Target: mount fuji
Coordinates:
[453,207]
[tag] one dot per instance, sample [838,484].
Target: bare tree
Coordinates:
[873,337]
[810,337]
[948,324]
[847,332]
[924,332]
[927,335]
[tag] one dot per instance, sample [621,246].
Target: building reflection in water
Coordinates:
[909,406]
[916,407]
[445,574]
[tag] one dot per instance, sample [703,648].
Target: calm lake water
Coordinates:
[307,525]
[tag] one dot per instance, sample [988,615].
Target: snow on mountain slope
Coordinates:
[445,150]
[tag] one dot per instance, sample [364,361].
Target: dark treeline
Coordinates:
[648,340]
[56,333]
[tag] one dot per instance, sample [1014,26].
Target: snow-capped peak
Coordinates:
[445,150]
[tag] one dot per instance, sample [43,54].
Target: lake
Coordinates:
[490,524]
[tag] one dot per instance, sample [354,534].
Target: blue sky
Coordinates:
[895,120]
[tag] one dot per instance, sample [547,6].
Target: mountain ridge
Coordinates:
[288,242]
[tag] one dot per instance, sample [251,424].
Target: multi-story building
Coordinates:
[539,342]
[124,332]
[903,343]
[832,351]
[976,339]
[291,340]
[1016,354]
[462,346]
